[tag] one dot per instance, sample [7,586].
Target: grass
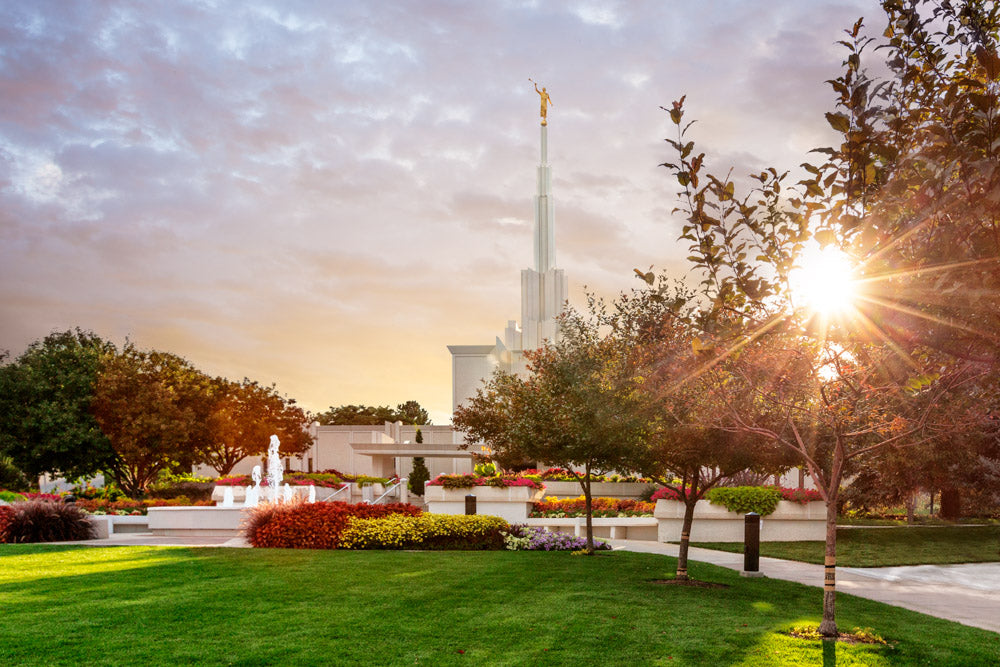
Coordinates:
[71,605]
[883,547]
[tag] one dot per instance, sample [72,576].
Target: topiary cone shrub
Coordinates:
[418,476]
[47,521]
[300,525]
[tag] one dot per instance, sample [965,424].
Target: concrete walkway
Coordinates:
[967,594]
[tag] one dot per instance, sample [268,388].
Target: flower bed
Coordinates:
[310,525]
[532,538]
[135,507]
[600,507]
[790,522]
[468,481]
[318,479]
[426,531]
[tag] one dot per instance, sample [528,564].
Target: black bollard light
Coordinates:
[470,504]
[751,545]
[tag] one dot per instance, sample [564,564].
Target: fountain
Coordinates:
[274,470]
[253,492]
[225,519]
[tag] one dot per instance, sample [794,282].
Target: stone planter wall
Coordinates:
[626,490]
[615,528]
[195,521]
[512,503]
[790,522]
[107,525]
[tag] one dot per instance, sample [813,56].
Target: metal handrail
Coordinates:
[345,487]
[388,491]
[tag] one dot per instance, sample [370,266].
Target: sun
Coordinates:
[824,281]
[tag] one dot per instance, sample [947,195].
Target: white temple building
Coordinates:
[543,297]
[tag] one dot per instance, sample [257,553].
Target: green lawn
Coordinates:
[882,547]
[65,605]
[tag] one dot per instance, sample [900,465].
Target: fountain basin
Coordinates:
[197,521]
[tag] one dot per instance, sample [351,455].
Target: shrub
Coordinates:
[419,475]
[6,516]
[46,521]
[187,489]
[10,496]
[299,525]
[427,531]
[109,491]
[367,480]
[742,499]
[600,507]
[536,538]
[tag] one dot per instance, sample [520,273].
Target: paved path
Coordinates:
[967,594]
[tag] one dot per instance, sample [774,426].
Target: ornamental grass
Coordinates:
[427,531]
[44,521]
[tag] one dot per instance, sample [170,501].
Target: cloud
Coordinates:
[325,195]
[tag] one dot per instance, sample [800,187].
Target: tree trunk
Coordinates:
[911,507]
[682,552]
[828,628]
[590,515]
[951,502]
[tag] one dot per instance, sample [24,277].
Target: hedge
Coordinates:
[427,531]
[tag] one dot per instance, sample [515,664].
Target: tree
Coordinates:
[243,418]
[418,476]
[46,425]
[911,195]
[659,330]
[409,412]
[578,408]
[153,407]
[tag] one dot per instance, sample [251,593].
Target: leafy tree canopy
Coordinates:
[46,395]
[242,419]
[409,412]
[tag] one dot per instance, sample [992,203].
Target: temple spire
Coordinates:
[545,217]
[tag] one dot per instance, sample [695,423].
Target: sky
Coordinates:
[324,195]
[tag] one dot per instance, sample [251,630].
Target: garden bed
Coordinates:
[790,522]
